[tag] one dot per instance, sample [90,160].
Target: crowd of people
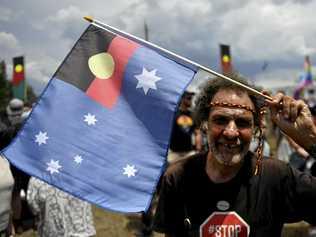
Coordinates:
[232,153]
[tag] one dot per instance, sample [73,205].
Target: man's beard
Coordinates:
[229,155]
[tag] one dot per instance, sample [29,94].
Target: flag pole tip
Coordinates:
[88,18]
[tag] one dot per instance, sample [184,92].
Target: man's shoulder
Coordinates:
[274,169]
[186,165]
[274,163]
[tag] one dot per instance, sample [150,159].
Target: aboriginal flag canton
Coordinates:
[101,128]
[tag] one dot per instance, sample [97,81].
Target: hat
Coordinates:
[15,107]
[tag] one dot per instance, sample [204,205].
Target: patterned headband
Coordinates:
[231,105]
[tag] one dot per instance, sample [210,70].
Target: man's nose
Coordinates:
[231,130]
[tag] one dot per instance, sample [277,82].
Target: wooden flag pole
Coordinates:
[151,45]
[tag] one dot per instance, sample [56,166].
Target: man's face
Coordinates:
[187,100]
[230,129]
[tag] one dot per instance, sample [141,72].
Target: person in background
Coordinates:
[14,111]
[22,218]
[231,182]
[59,214]
[185,137]
[6,187]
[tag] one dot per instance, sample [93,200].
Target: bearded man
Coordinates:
[206,194]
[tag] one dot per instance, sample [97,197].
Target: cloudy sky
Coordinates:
[278,32]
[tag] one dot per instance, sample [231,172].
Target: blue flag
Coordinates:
[101,128]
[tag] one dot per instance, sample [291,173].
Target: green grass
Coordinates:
[109,224]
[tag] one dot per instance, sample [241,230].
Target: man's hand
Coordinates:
[294,119]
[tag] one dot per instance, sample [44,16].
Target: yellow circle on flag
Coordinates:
[18,68]
[101,65]
[226,59]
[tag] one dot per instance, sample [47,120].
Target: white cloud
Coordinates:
[278,78]
[9,45]
[63,19]
[65,15]
[5,14]
[277,31]
[8,40]
[38,73]
[264,30]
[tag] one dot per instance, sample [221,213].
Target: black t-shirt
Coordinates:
[279,194]
[183,127]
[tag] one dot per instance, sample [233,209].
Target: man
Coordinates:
[229,182]
[184,132]
[22,218]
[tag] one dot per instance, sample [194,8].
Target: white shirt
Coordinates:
[6,186]
[60,214]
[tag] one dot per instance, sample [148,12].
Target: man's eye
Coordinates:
[220,121]
[243,123]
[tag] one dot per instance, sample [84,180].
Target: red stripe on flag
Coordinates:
[107,91]
[226,67]
[17,78]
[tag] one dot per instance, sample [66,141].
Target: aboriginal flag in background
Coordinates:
[101,128]
[18,78]
[225,59]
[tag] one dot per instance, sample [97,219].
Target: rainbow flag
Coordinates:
[305,79]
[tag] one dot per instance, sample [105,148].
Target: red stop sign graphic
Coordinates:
[224,224]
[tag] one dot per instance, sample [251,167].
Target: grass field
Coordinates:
[108,224]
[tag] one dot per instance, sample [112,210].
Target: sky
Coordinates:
[277,32]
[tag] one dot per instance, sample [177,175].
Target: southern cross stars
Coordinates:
[53,166]
[147,80]
[129,170]
[90,119]
[78,159]
[41,138]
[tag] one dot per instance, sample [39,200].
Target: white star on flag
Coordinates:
[129,170]
[78,159]
[53,166]
[90,119]
[147,80]
[41,138]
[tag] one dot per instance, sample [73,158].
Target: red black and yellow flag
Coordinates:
[225,59]
[18,78]
[102,85]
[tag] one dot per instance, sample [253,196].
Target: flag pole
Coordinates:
[117,31]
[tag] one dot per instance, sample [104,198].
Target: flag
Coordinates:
[225,59]
[18,79]
[101,128]
[305,80]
